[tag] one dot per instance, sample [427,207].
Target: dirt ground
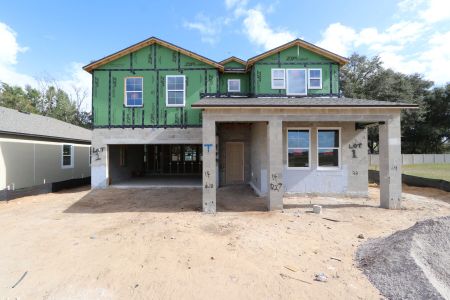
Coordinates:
[156,244]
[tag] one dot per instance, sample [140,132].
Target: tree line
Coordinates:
[48,100]
[424,130]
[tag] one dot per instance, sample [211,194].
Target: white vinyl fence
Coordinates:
[414,159]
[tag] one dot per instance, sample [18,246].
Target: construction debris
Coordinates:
[335,258]
[317,209]
[284,276]
[320,277]
[20,279]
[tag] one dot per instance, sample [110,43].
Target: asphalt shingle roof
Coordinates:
[15,122]
[296,102]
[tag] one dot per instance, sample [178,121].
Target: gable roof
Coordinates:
[26,124]
[301,43]
[152,40]
[233,58]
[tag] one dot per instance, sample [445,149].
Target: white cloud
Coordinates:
[260,33]
[409,5]
[10,47]
[230,4]
[437,58]
[254,23]
[343,39]
[414,44]
[338,38]
[9,51]
[208,28]
[436,11]
[73,77]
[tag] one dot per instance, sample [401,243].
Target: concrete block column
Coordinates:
[390,163]
[99,163]
[209,165]
[275,165]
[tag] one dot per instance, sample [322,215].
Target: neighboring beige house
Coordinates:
[41,154]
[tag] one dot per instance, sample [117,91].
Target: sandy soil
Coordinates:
[156,244]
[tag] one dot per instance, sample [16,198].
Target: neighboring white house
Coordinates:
[41,154]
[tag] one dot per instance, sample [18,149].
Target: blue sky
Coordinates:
[54,38]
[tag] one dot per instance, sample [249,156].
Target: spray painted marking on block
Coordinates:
[208,146]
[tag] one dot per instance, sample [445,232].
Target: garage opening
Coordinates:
[141,166]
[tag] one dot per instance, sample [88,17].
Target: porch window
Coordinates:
[278,79]
[296,82]
[234,85]
[328,147]
[67,156]
[298,141]
[133,91]
[315,79]
[175,90]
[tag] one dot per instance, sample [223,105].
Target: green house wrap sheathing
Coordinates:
[154,62]
[294,58]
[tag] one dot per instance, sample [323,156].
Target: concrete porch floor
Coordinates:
[234,198]
[161,181]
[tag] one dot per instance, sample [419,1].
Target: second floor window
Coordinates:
[134,91]
[278,79]
[234,85]
[175,90]
[315,79]
[296,82]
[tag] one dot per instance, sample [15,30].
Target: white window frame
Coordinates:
[287,82]
[309,79]
[72,156]
[338,148]
[125,91]
[287,148]
[278,78]
[228,83]
[183,90]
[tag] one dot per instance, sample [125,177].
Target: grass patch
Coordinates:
[433,171]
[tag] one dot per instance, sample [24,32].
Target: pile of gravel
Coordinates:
[410,264]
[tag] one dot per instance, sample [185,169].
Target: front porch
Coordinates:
[350,175]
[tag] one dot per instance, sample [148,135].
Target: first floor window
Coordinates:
[298,148]
[133,91]
[234,85]
[278,79]
[315,78]
[328,145]
[175,90]
[67,156]
[190,153]
[296,82]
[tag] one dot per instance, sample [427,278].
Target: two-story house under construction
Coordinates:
[276,122]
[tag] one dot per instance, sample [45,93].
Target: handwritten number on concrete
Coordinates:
[275,184]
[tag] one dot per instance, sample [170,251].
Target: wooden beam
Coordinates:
[143,44]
